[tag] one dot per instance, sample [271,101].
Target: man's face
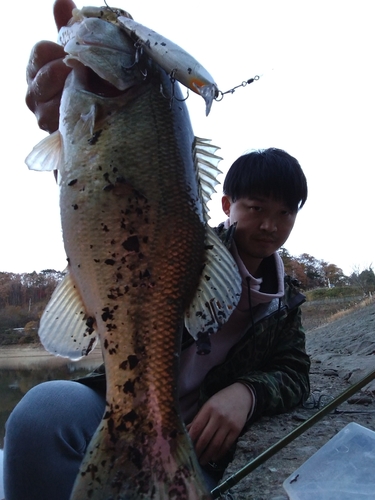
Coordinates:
[263,226]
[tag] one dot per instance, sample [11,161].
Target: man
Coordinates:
[257,365]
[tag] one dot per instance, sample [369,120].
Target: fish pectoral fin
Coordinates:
[86,123]
[46,155]
[206,162]
[65,329]
[218,292]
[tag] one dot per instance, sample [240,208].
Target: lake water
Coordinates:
[21,369]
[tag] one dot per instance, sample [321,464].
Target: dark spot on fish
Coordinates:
[90,321]
[112,351]
[111,327]
[105,228]
[126,289]
[207,278]
[105,344]
[189,71]
[111,427]
[145,239]
[131,244]
[208,247]
[71,183]
[113,242]
[128,387]
[132,362]
[95,137]
[91,246]
[109,262]
[108,187]
[173,434]
[136,457]
[88,349]
[107,314]
[120,180]
[97,261]
[114,170]
[130,417]
[91,469]
[145,274]
[163,44]
[100,168]
[119,276]
[75,206]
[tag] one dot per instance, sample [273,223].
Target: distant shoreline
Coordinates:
[27,356]
[17,350]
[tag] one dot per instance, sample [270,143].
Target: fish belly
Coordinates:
[134,236]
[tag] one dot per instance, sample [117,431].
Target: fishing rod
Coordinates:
[260,459]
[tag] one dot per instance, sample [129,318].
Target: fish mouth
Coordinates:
[98,86]
[89,81]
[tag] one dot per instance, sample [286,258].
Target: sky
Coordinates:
[314,99]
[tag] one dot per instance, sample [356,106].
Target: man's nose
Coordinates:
[269,224]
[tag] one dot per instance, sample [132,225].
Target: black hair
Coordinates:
[267,173]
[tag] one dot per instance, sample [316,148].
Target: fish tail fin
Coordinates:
[115,468]
[185,474]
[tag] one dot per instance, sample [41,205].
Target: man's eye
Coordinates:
[254,207]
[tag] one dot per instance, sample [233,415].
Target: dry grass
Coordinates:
[317,313]
[340,314]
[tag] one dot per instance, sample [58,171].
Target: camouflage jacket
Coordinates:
[270,357]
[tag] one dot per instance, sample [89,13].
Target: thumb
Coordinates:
[62,10]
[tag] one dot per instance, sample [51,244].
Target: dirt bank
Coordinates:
[342,352]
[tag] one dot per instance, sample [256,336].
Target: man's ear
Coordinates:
[226,203]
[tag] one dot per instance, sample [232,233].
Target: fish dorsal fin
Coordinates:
[206,162]
[218,292]
[46,155]
[65,313]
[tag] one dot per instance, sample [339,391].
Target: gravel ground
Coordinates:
[342,352]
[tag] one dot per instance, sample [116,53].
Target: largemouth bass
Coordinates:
[134,183]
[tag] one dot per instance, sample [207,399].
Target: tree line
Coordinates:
[314,273]
[23,297]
